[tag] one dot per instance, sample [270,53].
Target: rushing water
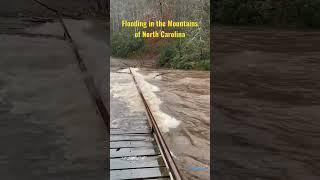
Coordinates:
[180,101]
[266,103]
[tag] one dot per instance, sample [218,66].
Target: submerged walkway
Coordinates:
[134,151]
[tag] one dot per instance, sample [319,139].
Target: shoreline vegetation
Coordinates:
[179,38]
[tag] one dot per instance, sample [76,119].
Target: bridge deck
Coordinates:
[134,152]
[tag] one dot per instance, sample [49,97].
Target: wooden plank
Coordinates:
[138,120]
[127,144]
[129,131]
[146,137]
[120,163]
[130,118]
[129,124]
[139,173]
[142,151]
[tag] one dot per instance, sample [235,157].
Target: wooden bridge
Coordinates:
[137,148]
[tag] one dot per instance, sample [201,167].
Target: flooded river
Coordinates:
[180,102]
[266,103]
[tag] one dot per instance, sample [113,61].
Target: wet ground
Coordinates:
[179,101]
[49,126]
[266,103]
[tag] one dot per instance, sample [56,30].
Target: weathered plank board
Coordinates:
[139,162]
[125,152]
[139,173]
[130,144]
[130,124]
[142,117]
[131,138]
[129,131]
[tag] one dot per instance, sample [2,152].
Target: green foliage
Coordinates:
[167,54]
[192,53]
[267,12]
[203,65]
[124,44]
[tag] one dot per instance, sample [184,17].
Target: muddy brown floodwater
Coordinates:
[185,97]
[266,102]
[180,101]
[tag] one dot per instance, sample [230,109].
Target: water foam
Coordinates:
[165,121]
[123,88]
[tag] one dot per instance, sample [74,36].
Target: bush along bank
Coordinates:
[124,44]
[186,53]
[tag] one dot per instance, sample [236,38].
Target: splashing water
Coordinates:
[165,121]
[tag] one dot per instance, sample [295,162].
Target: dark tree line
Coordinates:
[304,13]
